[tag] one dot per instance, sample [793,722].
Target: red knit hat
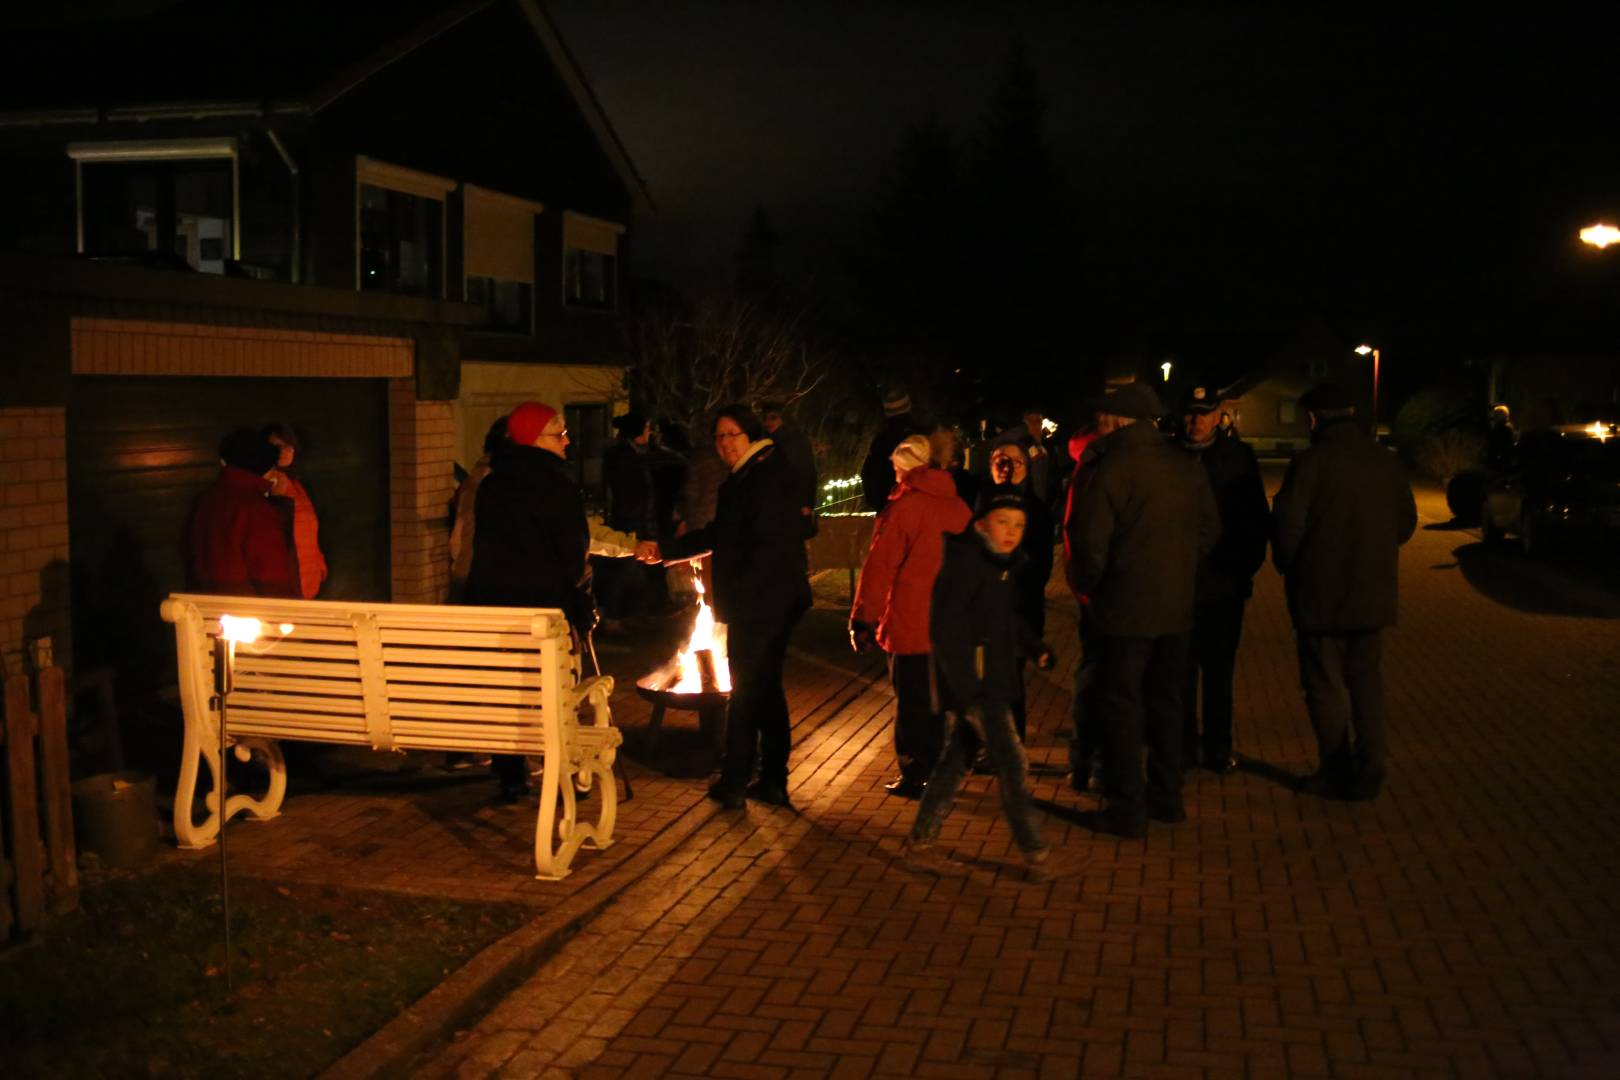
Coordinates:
[527,421]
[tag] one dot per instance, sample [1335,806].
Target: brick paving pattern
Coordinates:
[1464,924]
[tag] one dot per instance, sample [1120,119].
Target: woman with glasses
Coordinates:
[761,590]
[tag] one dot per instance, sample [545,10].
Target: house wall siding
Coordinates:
[35,599]
[421,454]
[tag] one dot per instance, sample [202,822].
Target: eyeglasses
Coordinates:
[563,434]
[730,435]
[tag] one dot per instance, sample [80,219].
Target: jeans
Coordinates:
[963,735]
[919,733]
[1343,689]
[757,715]
[1140,692]
[1212,657]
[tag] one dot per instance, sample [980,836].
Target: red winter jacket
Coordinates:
[907,548]
[235,543]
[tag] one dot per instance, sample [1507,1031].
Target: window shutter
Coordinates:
[591,234]
[398,178]
[500,235]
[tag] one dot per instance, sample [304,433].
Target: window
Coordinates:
[168,203]
[508,305]
[588,441]
[400,230]
[590,262]
[498,256]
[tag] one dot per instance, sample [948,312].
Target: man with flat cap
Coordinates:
[1144,517]
[1225,579]
[1344,510]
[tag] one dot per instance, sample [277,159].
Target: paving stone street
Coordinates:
[1463,924]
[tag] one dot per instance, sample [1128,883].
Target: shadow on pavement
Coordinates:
[1265,770]
[1508,577]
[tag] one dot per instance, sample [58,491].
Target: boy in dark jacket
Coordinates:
[979,642]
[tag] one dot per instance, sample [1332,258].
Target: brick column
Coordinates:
[421,453]
[35,599]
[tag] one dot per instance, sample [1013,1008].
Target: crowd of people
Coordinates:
[1163,521]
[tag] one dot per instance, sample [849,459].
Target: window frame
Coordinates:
[369,171]
[586,220]
[471,192]
[128,151]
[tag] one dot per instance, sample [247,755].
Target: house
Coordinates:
[381,223]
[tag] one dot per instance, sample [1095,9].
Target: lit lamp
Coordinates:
[1368,350]
[233,631]
[1165,367]
[1600,235]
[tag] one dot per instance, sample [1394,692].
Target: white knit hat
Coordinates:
[912,452]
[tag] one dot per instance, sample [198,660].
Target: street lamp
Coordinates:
[1165,367]
[1600,235]
[1368,350]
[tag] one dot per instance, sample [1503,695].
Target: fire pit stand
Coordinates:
[710,706]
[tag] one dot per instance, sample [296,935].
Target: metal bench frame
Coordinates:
[396,677]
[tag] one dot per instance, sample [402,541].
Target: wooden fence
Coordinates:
[38,875]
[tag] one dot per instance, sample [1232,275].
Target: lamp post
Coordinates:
[1600,235]
[1165,367]
[1368,350]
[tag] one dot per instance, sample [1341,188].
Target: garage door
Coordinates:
[139,450]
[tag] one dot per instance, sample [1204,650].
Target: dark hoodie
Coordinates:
[979,638]
[532,539]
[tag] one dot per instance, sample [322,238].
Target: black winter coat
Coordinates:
[1344,511]
[757,537]
[1035,568]
[632,507]
[1240,497]
[532,539]
[794,446]
[877,473]
[1143,519]
[979,638]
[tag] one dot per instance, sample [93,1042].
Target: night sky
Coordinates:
[1384,164]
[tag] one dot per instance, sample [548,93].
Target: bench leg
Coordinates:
[200,750]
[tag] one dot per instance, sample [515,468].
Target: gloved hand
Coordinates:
[1044,660]
[861,636]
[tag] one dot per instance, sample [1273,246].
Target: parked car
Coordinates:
[1566,486]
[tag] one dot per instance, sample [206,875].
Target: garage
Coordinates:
[139,450]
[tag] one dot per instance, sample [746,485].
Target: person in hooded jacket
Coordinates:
[761,591]
[980,642]
[235,543]
[1009,473]
[892,602]
[532,540]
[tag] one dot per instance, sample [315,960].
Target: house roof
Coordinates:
[197,58]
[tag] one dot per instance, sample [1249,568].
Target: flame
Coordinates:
[706,634]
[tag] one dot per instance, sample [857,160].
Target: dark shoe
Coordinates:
[1117,821]
[511,793]
[1049,865]
[727,796]
[1167,814]
[1324,784]
[1223,766]
[905,787]
[769,794]
[982,765]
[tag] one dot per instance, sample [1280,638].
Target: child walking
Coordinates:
[979,642]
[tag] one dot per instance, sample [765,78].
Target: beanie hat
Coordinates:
[1326,397]
[1005,499]
[896,402]
[246,449]
[914,450]
[527,421]
[1200,400]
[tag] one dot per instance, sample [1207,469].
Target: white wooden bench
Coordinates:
[397,677]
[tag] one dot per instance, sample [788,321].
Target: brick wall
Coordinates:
[139,347]
[421,452]
[34,585]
